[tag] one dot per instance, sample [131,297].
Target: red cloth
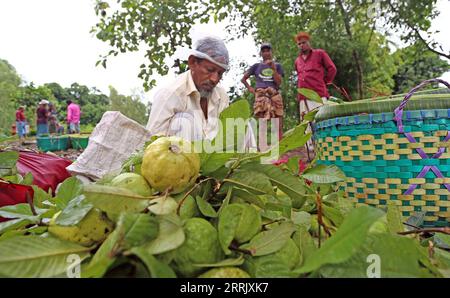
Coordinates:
[20,116]
[48,171]
[12,194]
[311,72]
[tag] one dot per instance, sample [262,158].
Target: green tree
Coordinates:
[132,107]
[416,65]
[9,83]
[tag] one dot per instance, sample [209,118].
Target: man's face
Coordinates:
[206,75]
[304,45]
[266,54]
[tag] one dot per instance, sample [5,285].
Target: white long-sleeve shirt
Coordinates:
[181,97]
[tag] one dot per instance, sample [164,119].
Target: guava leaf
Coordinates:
[310,94]
[157,268]
[170,236]
[211,162]
[252,181]
[394,219]
[27,179]
[292,139]
[228,223]
[301,218]
[270,266]
[305,243]
[333,214]
[163,205]
[248,197]
[205,208]
[136,229]
[74,211]
[8,162]
[322,174]
[286,182]
[396,256]
[34,256]
[17,223]
[415,220]
[103,259]
[270,241]
[347,240]
[40,196]
[114,200]
[69,189]
[22,210]
[310,116]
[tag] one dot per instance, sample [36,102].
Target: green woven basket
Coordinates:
[400,156]
[79,141]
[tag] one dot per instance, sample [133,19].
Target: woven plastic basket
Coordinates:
[401,156]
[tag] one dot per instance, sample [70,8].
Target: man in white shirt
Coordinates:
[189,107]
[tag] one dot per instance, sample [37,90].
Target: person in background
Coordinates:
[73,117]
[268,101]
[315,70]
[42,114]
[21,122]
[54,126]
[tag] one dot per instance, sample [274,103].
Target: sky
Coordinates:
[50,41]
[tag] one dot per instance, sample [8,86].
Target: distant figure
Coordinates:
[54,126]
[42,118]
[315,71]
[21,122]
[73,117]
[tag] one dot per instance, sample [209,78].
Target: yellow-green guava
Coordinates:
[93,228]
[169,163]
[201,246]
[134,182]
[225,272]
[249,220]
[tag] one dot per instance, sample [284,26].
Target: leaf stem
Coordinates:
[189,192]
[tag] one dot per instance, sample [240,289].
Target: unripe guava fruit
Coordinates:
[225,272]
[134,182]
[249,220]
[93,228]
[169,163]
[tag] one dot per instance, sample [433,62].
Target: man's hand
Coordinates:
[270,63]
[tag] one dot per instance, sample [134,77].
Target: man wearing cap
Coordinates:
[189,106]
[42,114]
[315,71]
[268,101]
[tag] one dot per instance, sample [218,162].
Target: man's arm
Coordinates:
[246,76]
[330,67]
[69,113]
[163,109]
[276,75]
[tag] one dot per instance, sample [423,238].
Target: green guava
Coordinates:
[201,246]
[93,228]
[134,182]
[189,208]
[225,272]
[247,217]
[169,163]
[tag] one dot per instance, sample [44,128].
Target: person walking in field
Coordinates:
[73,117]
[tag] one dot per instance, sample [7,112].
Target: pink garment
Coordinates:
[73,113]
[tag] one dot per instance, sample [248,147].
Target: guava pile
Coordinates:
[172,212]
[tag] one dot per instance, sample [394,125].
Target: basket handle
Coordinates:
[398,112]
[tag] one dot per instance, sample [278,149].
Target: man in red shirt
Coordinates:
[315,71]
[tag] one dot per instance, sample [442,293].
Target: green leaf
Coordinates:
[210,162]
[205,208]
[228,224]
[115,200]
[333,214]
[310,115]
[322,174]
[15,224]
[170,236]
[310,94]
[270,241]
[157,268]
[347,240]
[292,139]
[8,162]
[74,211]
[136,229]
[163,205]
[225,263]
[292,164]
[301,218]
[104,257]
[40,196]
[69,189]
[394,219]
[397,256]
[22,210]
[416,220]
[34,256]
[27,179]
[305,243]
[286,182]
[270,266]
[248,197]
[252,181]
